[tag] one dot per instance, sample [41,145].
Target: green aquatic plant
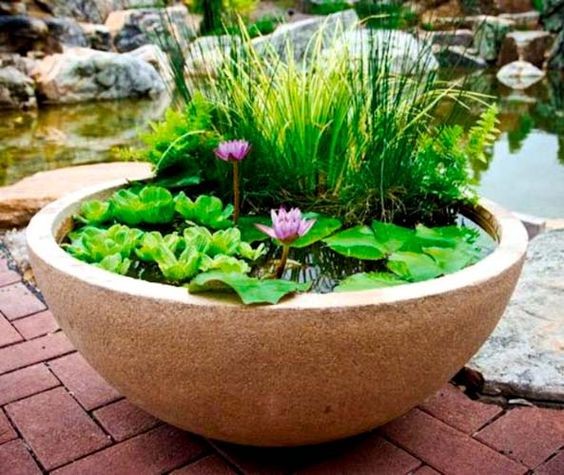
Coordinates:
[205,210]
[150,204]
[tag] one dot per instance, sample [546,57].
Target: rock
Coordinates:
[530,46]
[523,21]
[301,32]
[92,11]
[519,75]
[452,23]
[489,33]
[458,57]
[13,8]
[20,34]
[137,27]
[82,74]
[533,224]
[16,89]
[524,357]
[98,36]
[448,9]
[20,201]
[21,63]
[67,32]
[514,6]
[462,37]
[155,56]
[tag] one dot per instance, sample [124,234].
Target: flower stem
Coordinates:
[236,197]
[282,261]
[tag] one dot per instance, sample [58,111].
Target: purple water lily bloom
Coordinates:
[233,150]
[287,226]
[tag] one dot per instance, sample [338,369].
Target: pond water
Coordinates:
[525,172]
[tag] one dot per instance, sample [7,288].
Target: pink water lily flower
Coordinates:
[287,226]
[233,150]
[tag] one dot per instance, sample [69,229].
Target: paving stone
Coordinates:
[159,450]
[8,334]
[34,351]
[85,384]
[7,432]
[452,406]
[447,449]
[36,325]
[123,420]
[56,427]
[16,460]
[372,455]
[18,301]
[8,277]
[426,470]
[553,466]
[210,465]
[25,382]
[528,435]
[524,357]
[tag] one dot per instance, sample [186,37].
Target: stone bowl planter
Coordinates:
[314,368]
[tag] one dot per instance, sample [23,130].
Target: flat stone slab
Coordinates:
[524,357]
[20,201]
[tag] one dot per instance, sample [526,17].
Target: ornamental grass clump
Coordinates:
[363,181]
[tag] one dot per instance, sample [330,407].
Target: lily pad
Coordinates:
[414,267]
[369,280]
[358,242]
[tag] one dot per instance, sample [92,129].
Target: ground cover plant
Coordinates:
[281,173]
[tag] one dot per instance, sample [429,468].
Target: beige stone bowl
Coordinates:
[311,369]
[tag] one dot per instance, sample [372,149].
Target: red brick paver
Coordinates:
[57,415]
[56,427]
[85,384]
[528,435]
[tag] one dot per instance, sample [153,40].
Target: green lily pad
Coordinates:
[358,242]
[413,267]
[369,280]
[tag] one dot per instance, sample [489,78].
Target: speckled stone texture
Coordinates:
[311,369]
[525,355]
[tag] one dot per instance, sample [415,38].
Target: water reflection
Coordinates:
[55,137]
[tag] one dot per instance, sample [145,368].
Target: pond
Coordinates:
[525,171]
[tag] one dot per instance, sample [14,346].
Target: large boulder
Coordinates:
[16,89]
[523,21]
[519,75]
[82,74]
[137,27]
[530,46]
[489,33]
[461,37]
[20,34]
[67,32]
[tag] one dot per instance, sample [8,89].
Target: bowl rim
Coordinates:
[42,244]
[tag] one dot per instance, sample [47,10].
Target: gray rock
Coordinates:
[405,53]
[153,55]
[82,74]
[16,89]
[20,34]
[524,357]
[92,11]
[489,33]
[530,46]
[526,20]
[67,32]
[519,75]
[458,57]
[21,63]
[13,8]
[98,36]
[462,37]
[137,27]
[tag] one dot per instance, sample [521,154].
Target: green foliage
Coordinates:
[222,263]
[180,147]
[250,289]
[95,212]
[178,268]
[482,136]
[368,280]
[151,242]
[115,263]
[93,244]
[149,204]
[323,227]
[329,6]
[358,242]
[385,15]
[205,211]
[413,267]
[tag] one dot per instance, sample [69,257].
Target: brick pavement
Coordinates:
[57,415]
